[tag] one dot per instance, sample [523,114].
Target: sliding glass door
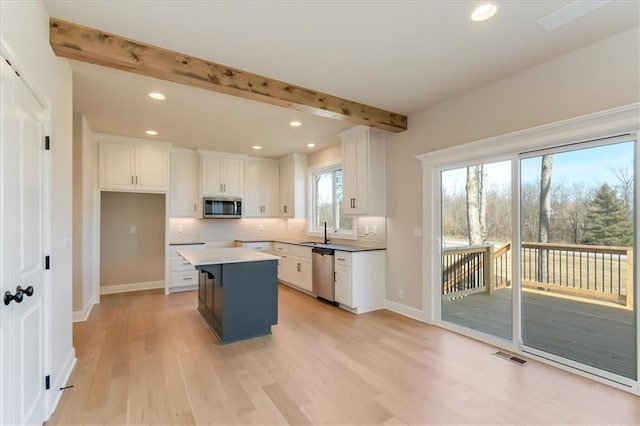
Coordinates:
[476,234]
[572,251]
[577,219]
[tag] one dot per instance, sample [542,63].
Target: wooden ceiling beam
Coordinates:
[86,44]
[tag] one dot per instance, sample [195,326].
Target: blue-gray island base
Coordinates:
[239,300]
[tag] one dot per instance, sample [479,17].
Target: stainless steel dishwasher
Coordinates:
[322,273]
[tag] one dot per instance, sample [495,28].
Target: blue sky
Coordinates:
[592,166]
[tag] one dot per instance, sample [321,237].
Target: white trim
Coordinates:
[61,380]
[405,310]
[125,288]
[206,152]
[172,290]
[322,166]
[107,137]
[83,315]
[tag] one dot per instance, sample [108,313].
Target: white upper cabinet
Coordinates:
[363,165]
[133,167]
[223,176]
[261,178]
[293,178]
[184,191]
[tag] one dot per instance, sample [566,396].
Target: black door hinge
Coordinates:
[47,382]
[47,143]
[47,262]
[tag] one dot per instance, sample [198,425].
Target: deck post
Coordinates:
[630,289]
[487,268]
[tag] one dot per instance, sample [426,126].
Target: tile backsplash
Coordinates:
[371,231]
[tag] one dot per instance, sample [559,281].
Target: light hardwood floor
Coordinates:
[146,358]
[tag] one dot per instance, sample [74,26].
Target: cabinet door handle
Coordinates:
[334,277]
[341,260]
[285,209]
[224,187]
[299,267]
[187,278]
[136,180]
[194,207]
[220,187]
[131,180]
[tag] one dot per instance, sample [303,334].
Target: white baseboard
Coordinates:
[405,310]
[81,316]
[183,288]
[61,380]
[125,288]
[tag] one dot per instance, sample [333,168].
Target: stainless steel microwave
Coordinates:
[222,208]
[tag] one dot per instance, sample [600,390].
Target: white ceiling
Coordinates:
[402,56]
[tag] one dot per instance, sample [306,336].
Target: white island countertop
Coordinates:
[217,256]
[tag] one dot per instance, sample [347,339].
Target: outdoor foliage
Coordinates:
[572,214]
[608,221]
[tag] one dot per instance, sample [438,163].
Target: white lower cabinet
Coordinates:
[184,276]
[294,266]
[343,285]
[359,280]
[265,246]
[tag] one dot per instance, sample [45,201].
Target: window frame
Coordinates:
[340,233]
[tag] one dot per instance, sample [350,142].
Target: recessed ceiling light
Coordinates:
[256,147]
[484,12]
[295,124]
[157,96]
[311,145]
[151,132]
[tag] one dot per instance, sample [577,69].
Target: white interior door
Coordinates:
[22,253]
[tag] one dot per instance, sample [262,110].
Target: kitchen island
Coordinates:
[237,291]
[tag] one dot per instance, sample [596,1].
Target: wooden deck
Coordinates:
[598,335]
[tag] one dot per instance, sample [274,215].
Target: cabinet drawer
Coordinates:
[261,246]
[281,249]
[300,251]
[343,258]
[180,264]
[181,279]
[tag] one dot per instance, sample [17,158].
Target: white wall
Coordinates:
[597,77]
[89,202]
[24,29]
[84,201]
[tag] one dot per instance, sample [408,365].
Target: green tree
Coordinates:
[608,223]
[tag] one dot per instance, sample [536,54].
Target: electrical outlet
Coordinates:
[375,229]
[180,228]
[132,229]
[261,227]
[401,293]
[417,232]
[366,229]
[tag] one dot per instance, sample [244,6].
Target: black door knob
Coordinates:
[28,291]
[8,297]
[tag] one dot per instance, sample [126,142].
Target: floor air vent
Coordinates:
[510,357]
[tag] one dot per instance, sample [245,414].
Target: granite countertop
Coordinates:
[217,256]
[340,247]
